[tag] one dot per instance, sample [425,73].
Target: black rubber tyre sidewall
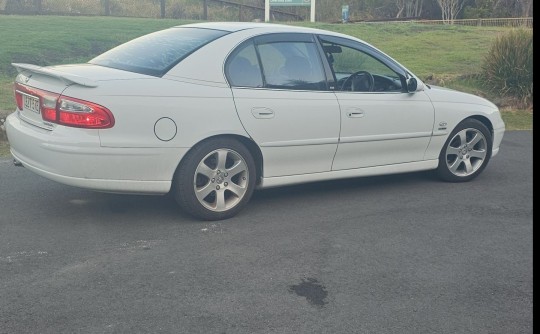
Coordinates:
[442,170]
[183,191]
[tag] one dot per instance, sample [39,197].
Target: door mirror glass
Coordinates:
[412,85]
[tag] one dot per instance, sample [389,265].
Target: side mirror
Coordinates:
[332,49]
[412,85]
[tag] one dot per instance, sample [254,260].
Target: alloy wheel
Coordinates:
[466,152]
[221,180]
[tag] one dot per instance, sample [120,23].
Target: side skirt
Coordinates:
[269,182]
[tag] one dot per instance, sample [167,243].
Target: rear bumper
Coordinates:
[74,157]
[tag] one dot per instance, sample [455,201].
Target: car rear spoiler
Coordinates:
[65,77]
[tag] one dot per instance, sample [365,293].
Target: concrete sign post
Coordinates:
[345,13]
[306,3]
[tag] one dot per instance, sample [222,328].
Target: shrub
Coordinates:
[508,66]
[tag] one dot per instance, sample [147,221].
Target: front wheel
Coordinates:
[215,180]
[466,152]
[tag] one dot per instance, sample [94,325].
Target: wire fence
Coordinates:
[223,10]
[211,10]
[526,22]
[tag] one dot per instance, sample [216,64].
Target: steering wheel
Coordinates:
[361,80]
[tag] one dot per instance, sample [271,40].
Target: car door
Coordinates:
[282,99]
[381,123]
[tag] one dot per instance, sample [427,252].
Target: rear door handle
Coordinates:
[262,112]
[355,114]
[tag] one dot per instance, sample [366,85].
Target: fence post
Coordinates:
[162,3]
[240,13]
[205,10]
[106,7]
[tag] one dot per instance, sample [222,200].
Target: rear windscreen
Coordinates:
[156,53]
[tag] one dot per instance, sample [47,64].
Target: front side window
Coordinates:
[155,54]
[292,65]
[358,71]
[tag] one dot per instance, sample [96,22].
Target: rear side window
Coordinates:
[277,61]
[243,67]
[155,54]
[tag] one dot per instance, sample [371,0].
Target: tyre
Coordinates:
[466,152]
[215,180]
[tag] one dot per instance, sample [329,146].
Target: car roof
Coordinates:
[262,27]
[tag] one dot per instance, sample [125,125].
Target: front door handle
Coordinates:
[356,114]
[262,112]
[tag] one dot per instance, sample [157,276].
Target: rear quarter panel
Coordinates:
[199,111]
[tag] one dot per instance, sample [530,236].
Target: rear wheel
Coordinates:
[466,152]
[215,180]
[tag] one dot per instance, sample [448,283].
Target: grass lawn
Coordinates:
[448,54]
[517,119]
[438,50]
[4,149]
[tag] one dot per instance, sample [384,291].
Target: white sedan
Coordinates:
[211,111]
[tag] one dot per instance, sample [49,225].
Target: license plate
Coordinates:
[31,103]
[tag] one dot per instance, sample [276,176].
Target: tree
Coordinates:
[526,8]
[499,8]
[411,8]
[450,9]
[514,8]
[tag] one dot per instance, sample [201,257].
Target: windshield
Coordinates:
[156,53]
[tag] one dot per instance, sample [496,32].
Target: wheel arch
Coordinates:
[252,147]
[484,120]
[444,170]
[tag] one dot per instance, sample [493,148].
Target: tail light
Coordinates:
[65,110]
[18,96]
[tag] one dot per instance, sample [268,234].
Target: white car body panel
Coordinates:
[269,182]
[74,156]
[138,159]
[199,111]
[297,131]
[453,107]
[383,128]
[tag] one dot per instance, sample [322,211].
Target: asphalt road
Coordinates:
[393,254]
